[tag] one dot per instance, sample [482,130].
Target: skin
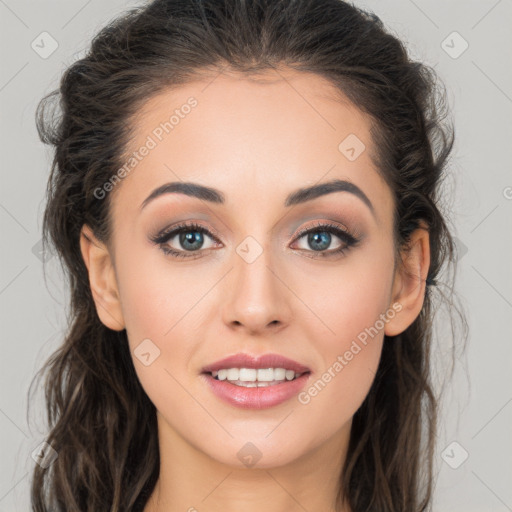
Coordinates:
[256,142]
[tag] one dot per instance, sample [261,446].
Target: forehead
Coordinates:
[273,132]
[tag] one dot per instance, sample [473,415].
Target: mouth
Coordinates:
[256,382]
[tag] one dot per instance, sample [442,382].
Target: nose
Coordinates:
[257,297]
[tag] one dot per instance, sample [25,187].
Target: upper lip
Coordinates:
[249,361]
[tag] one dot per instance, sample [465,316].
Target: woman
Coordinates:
[244,196]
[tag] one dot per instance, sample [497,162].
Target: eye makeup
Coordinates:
[323,228]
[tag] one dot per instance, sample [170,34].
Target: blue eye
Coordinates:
[191,239]
[319,238]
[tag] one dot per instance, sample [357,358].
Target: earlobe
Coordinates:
[102,279]
[410,281]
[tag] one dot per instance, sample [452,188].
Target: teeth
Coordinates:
[252,377]
[266,375]
[233,374]
[247,375]
[290,374]
[255,384]
[279,374]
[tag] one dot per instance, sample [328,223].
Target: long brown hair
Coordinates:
[101,422]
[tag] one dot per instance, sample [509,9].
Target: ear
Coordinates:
[410,281]
[102,279]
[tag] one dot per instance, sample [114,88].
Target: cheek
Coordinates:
[156,298]
[161,319]
[350,361]
[158,308]
[351,308]
[348,297]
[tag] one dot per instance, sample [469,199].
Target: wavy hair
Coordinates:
[100,421]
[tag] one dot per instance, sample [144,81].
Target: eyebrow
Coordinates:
[301,195]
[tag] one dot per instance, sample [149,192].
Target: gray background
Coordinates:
[478,408]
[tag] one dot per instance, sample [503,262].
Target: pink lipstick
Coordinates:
[252,382]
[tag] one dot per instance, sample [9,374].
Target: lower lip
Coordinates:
[256,398]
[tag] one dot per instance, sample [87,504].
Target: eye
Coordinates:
[191,239]
[190,236]
[319,238]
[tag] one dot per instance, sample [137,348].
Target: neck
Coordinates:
[191,481]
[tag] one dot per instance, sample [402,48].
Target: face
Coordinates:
[258,268]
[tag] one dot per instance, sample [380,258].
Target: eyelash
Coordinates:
[164,236]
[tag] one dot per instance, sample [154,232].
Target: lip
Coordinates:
[263,361]
[256,398]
